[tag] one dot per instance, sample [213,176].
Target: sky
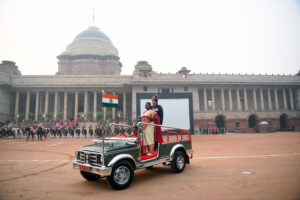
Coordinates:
[206,36]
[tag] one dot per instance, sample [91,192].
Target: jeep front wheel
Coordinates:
[178,162]
[89,176]
[122,175]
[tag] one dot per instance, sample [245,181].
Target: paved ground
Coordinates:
[240,166]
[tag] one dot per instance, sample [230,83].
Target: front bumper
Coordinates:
[102,171]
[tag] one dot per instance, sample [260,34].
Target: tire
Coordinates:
[178,162]
[89,176]
[122,175]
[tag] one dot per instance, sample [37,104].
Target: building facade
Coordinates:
[91,65]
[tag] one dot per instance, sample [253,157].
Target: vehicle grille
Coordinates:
[89,158]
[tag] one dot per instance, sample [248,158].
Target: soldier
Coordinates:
[29,132]
[84,130]
[77,130]
[159,121]
[91,130]
[71,130]
[65,130]
[39,132]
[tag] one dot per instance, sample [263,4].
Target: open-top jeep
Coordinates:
[116,157]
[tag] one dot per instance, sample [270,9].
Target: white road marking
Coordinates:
[253,156]
[50,145]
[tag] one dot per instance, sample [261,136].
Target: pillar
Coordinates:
[254,99]
[55,104]
[222,99]
[205,99]
[284,99]
[238,99]
[196,103]
[262,99]
[213,99]
[245,99]
[276,99]
[133,104]
[104,113]
[269,99]
[46,103]
[37,99]
[17,104]
[230,99]
[27,105]
[85,107]
[95,106]
[291,99]
[76,106]
[65,105]
[124,105]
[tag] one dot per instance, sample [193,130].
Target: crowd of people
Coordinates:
[152,134]
[71,128]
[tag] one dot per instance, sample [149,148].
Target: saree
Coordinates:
[148,130]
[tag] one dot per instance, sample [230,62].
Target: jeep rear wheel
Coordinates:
[122,175]
[89,176]
[178,162]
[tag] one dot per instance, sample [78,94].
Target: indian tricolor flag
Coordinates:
[109,100]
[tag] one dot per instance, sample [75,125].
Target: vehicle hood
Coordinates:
[108,147]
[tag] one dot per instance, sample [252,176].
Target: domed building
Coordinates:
[90,53]
[91,65]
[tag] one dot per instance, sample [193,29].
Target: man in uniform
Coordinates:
[159,110]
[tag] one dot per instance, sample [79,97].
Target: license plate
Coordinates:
[84,168]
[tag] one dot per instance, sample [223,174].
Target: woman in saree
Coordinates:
[148,130]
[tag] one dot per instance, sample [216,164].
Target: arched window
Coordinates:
[252,121]
[283,121]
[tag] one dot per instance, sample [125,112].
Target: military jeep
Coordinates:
[116,156]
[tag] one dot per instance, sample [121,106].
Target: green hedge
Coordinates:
[286,129]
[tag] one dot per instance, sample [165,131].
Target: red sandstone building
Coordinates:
[90,64]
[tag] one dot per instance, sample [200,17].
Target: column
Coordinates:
[124,106]
[133,104]
[238,99]
[65,105]
[230,99]
[114,110]
[17,103]
[245,99]
[205,99]
[196,103]
[254,99]
[284,99]
[27,105]
[276,99]
[85,107]
[76,106]
[223,99]
[269,99]
[55,104]
[262,99]
[297,99]
[37,99]
[291,99]
[104,113]
[213,99]
[95,106]
[46,103]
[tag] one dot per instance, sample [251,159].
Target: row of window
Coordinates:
[165,90]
